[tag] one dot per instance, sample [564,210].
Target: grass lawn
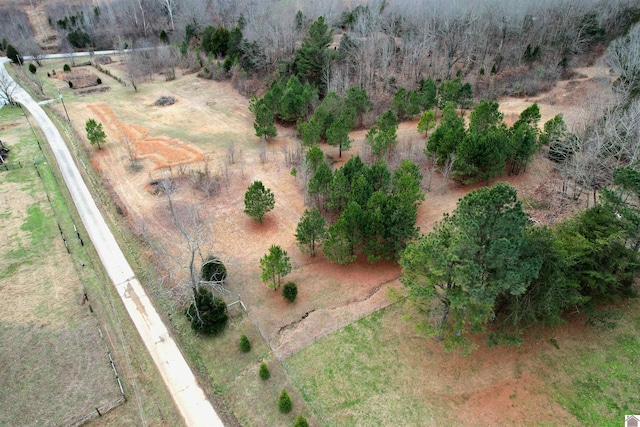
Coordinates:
[361,375]
[234,375]
[377,371]
[597,380]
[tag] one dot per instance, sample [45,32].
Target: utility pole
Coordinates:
[64,106]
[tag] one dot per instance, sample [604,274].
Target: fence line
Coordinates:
[97,412]
[10,166]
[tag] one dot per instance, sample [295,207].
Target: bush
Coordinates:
[290,291]
[208,314]
[301,421]
[66,68]
[264,372]
[213,270]
[13,55]
[165,100]
[32,69]
[284,403]
[245,344]
[99,81]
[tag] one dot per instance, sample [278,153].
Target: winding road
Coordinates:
[180,381]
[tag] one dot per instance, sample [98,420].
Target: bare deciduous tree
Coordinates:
[8,90]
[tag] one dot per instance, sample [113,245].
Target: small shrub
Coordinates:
[66,68]
[290,291]
[245,344]
[70,84]
[213,270]
[284,402]
[165,100]
[264,372]
[99,81]
[301,421]
[32,69]
[294,172]
[53,72]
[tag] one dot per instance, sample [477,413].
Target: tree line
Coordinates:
[487,263]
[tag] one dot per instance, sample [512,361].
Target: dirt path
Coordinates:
[182,384]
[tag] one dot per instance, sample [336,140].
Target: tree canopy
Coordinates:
[472,258]
[258,200]
[95,134]
[275,265]
[311,230]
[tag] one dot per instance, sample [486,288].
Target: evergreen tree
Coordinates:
[13,55]
[275,265]
[313,57]
[319,183]
[357,100]
[258,200]
[470,260]
[383,136]
[264,123]
[338,134]
[311,230]
[95,134]
[207,314]
[448,135]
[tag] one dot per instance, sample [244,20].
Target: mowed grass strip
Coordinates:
[53,364]
[361,375]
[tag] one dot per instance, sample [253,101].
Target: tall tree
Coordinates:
[311,230]
[523,137]
[264,123]
[624,199]
[338,134]
[207,313]
[95,134]
[471,259]
[313,57]
[313,158]
[358,100]
[319,183]
[258,200]
[427,122]
[448,135]
[383,136]
[344,236]
[482,154]
[275,265]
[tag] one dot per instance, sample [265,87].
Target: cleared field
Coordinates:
[54,366]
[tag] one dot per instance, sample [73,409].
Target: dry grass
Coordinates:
[53,362]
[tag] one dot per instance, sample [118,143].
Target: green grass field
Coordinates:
[376,371]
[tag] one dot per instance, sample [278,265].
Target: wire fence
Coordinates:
[97,412]
[10,166]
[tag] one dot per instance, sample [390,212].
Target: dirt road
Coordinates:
[185,391]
